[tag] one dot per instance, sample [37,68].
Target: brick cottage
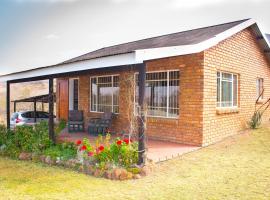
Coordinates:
[201,85]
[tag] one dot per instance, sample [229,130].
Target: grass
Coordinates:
[237,168]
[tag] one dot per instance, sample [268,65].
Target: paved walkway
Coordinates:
[157,150]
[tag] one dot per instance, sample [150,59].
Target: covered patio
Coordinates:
[157,151]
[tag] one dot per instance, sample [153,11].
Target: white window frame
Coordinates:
[90,94]
[220,89]
[258,88]
[167,109]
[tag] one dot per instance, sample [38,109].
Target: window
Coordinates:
[105,94]
[73,94]
[161,93]
[76,94]
[227,89]
[259,88]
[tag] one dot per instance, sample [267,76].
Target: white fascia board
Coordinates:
[155,53]
[109,61]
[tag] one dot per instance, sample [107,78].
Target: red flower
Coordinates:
[127,141]
[90,154]
[83,148]
[119,142]
[101,148]
[79,142]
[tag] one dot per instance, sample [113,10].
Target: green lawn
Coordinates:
[237,168]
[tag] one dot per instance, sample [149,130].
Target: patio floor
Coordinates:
[157,150]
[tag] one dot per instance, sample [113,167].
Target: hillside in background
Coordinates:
[19,91]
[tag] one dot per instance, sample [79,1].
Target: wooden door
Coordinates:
[63,96]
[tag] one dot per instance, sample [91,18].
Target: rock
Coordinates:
[129,175]
[42,158]
[123,175]
[25,156]
[145,171]
[116,173]
[136,176]
[98,173]
[71,163]
[108,174]
[81,168]
[49,160]
[35,157]
[90,170]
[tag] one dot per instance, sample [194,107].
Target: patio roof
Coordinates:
[40,99]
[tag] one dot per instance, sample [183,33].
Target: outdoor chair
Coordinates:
[101,125]
[75,121]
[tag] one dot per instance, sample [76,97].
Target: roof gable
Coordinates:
[183,38]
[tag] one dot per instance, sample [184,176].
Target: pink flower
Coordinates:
[90,154]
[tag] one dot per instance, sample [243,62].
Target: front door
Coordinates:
[63,99]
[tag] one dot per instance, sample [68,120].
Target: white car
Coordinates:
[27,118]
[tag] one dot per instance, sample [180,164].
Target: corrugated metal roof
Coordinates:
[190,37]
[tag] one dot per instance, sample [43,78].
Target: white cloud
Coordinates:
[52,37]
[46,1]
[199,3]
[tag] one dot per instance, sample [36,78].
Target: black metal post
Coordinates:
[35,111]
[51,108]
[8,105]
[141,78]
[14,106]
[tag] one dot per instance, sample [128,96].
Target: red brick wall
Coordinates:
[242,55]
[187,128]
[198,122]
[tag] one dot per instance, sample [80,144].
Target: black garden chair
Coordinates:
[75,121]
[101,125]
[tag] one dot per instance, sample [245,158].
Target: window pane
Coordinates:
[226,98]
[161,93]
[94,94]
[76,94]
[173,94]
[115,91]
[226,76]
[235,90]
[105,94]
[218,89]
[259,88]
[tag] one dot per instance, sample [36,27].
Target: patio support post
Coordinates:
[35,110]
[141,123]
[42,105]
[14,106]
[8,105]
[51,108]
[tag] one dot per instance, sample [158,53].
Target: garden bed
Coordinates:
[113,159]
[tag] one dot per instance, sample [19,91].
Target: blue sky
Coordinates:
[36,33]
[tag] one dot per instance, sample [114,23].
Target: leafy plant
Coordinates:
[63,151]
[256,119]
[60,126]
[120,152]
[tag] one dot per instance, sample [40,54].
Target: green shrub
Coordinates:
[32,138]
[256,119]
[64,151]
[60,126]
